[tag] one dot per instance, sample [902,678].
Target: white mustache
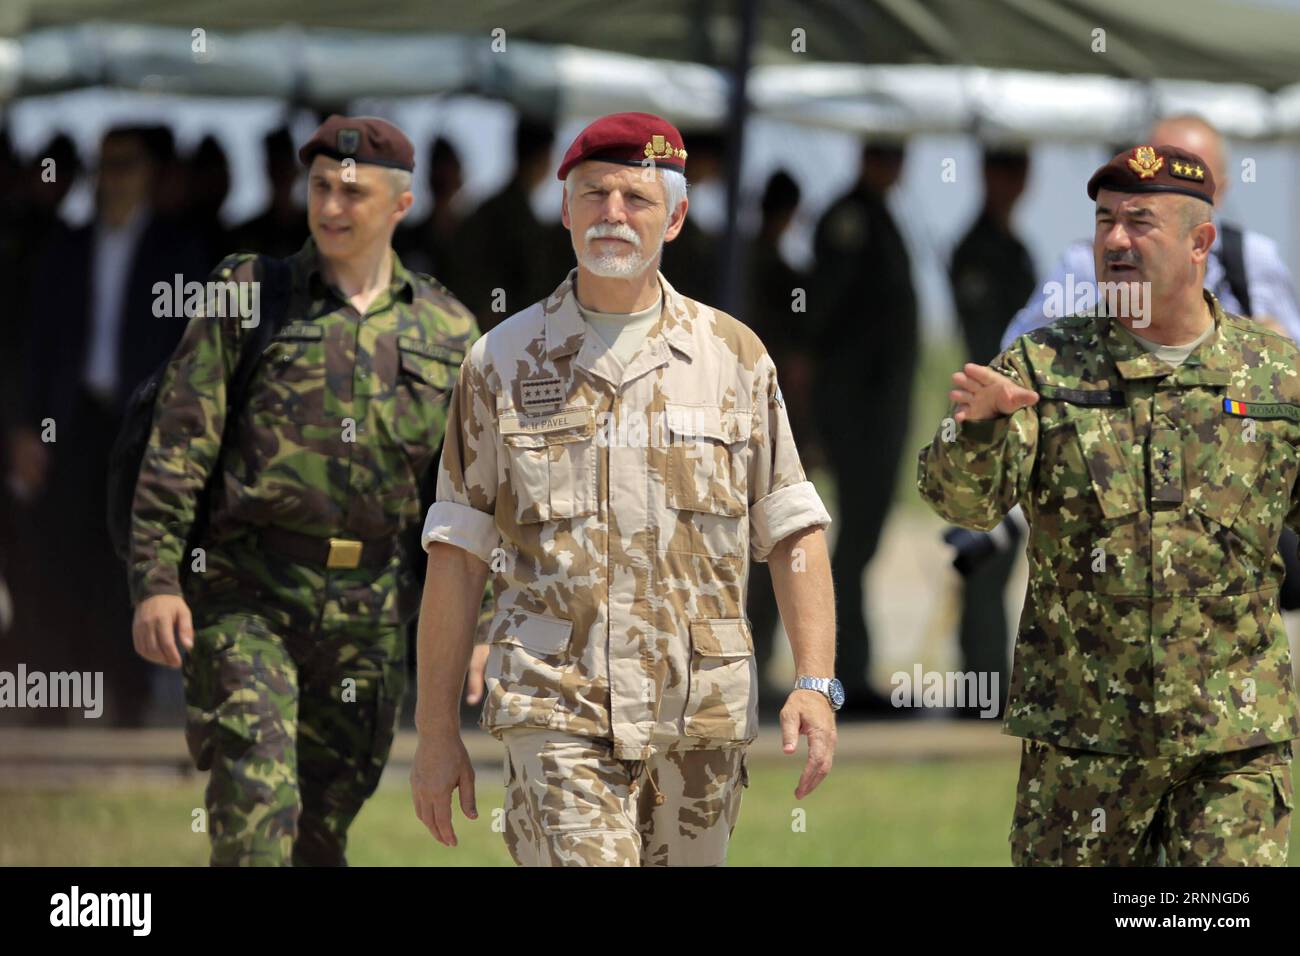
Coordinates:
[617,231]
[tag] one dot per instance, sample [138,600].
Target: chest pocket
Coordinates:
[291,376]
[426,373]
[551,462]
[707,469]
[1089,465]
[1245,480]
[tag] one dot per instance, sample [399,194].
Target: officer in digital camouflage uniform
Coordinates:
[1155,456]
[296,663]
[617,454]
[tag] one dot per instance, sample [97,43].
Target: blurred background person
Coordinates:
[1245,271]
[281,230]
[694,257]
[504,246]
[992,274]
[430,244]
[772,312]
[93,338]
[867,342]
[31,194]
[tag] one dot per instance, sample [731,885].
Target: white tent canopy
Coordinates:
[324,67]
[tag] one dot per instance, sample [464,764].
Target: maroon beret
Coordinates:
[1155,169]
[366,139]
[630,139]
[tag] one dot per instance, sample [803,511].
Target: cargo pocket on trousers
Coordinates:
[721,702]
[526,665]
[206,688]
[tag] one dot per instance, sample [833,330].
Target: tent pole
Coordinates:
[732,254]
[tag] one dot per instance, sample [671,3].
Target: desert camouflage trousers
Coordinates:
[1083,808]
[569,802]
[292,693]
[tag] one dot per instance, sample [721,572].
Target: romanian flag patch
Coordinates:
[1262,410]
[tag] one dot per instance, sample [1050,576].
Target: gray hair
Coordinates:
[400,180]
[674,183]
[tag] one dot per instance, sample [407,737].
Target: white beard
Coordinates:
[614,266]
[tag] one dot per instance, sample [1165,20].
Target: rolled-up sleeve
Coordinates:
[463,514]
[782,501]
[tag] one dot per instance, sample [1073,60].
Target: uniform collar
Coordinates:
[566,331]
[1211,362]
[401,287]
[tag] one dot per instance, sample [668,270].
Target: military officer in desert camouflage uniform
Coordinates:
[296,652]
[616,454]
[1154,449]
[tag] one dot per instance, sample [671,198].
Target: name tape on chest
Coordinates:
[1262,410]
[1081,396]
[517,425]
[431,350]
[300,330]
[540,392]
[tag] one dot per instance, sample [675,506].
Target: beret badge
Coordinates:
[349,140]
[660,148]
[1145,162]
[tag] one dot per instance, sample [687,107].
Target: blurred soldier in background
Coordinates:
[504,246]
[431,245]
[992,275]
[94,336]
[280,230]
[297,658]
[693,258]
[779,318]
[863,298]
[209,185]
[30,197]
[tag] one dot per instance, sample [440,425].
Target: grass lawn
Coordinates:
[866,814]
[888,813]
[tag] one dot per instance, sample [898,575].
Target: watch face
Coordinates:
[837,694]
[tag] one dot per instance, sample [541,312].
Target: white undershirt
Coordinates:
[112,252]
[1175,355]
[623,332]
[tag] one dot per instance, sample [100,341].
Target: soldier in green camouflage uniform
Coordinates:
[297,652]
[1156,465]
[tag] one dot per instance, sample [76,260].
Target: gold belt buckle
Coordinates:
[344,553]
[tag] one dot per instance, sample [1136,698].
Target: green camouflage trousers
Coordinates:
[292,695]
[1082,808]
[569,802]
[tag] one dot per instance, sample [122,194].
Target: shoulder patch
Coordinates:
[1263,411]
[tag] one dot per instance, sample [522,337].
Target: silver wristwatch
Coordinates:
[829,687]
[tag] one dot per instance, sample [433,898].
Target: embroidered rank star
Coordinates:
[1187,171]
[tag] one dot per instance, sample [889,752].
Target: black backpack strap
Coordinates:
[1234,266]
[275,285]
[275,288]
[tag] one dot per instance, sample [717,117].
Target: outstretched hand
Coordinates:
[982,393]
